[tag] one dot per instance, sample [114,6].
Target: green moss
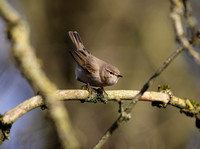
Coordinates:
[193,108]
[4,131]
[1,117]
[163,87]
[193,102]
[96,95]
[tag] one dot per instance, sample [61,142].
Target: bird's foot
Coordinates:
[95,94]
[87,87]
[103,91]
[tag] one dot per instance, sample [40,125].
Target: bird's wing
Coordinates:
[82,60]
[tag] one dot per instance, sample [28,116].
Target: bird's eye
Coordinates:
[111,73]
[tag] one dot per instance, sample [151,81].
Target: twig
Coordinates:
[151,79]
[28,63]
[190,19]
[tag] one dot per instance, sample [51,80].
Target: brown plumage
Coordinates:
[90,69]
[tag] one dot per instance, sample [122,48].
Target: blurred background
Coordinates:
[134,35]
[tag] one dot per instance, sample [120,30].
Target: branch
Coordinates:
[29,66]
[177,13]
[190,19]
[12,115]
[113,96]
[79,95]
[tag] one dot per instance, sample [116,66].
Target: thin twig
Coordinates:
[152,78]
[190,19]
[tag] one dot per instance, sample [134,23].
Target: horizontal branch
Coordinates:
[113,95]
[79,95]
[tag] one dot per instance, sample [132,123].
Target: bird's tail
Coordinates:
[76,39]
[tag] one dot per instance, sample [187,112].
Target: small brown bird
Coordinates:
[90,69]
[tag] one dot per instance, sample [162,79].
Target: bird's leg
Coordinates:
[91,95]
[102,88]
[87,87]
[95,95]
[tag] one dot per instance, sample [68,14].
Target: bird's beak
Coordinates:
[119,76]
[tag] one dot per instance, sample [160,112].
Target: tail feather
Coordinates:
[80,55]
[76,39]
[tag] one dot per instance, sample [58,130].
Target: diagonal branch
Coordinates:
[28,63]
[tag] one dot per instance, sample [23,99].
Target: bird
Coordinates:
[89,69]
